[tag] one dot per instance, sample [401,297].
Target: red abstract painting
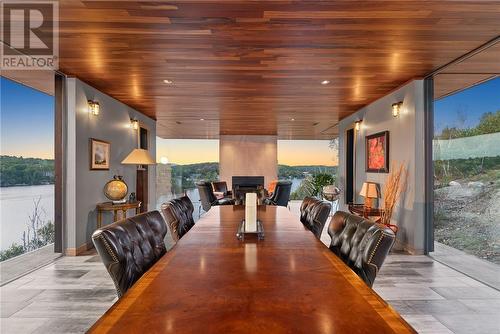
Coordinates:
[377,152]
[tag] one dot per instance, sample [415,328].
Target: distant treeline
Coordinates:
[19,171]
[298,172]
[489,123]
[209,171]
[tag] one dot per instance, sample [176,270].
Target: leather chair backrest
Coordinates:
[220,186]
[281,194]
[207,196]
[178,213]
[360,243]
[128,248]
[314,214]
[305,207]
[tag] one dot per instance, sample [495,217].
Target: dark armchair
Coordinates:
[207,196]
[179,215]
[220,189]
[314,214]
[129,247]
[281,194]
[362,244]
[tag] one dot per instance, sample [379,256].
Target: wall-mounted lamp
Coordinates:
[134,124]
[93,107]
[396,109]
[357,125]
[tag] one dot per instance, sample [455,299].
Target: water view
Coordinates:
[17,208]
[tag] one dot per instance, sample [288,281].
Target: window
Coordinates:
[466,157]
[181,163]
[27,171]
[309,164]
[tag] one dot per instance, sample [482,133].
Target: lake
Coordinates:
[16,205]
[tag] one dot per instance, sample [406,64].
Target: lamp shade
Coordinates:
[369,190]
[139,157]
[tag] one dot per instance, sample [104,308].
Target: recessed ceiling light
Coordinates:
[202,119]
[325,82]
[292,119]
[168,82]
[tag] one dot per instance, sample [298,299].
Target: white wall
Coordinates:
[84,187]
[406,145]
[248,156]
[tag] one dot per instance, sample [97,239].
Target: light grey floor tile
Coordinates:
[427,324]
[415,293]
[483,306]
[9,308]
[14,326]
[471,323]
[468,292]
[65,326]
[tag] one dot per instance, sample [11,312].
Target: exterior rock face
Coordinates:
[467,218]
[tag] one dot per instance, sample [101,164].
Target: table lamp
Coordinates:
[369,191]
[139,157]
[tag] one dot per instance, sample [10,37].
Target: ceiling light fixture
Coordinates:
[292,119]
[325,82]
[202,119]
[168,82]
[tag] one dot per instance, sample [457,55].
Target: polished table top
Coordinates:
[211,282]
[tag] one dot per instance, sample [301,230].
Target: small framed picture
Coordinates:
[377,152]
[99,154]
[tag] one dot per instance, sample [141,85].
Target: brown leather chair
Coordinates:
[128,248]
[314,214]
[178,213]
[362,244]
[208,198]
[220,189]
[281,194]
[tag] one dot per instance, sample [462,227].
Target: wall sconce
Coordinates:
[134,124]
[93,107]
[396,109]
[357,125]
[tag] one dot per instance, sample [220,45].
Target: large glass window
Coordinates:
[466,154]
[309,164]
[183,162]
[26,170]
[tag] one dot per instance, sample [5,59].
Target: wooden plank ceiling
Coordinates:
[474,70]
[256,67]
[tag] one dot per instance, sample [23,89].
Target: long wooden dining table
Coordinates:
[211,282]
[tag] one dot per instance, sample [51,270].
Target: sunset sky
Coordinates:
[27,121]
[290,152]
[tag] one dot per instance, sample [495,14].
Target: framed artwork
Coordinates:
[99,154]
[377,152]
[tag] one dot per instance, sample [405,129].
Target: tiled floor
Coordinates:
[69,295]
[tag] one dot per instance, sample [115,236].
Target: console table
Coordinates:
[373,214]
[123,207]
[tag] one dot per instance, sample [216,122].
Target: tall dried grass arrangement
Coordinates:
[395,185]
